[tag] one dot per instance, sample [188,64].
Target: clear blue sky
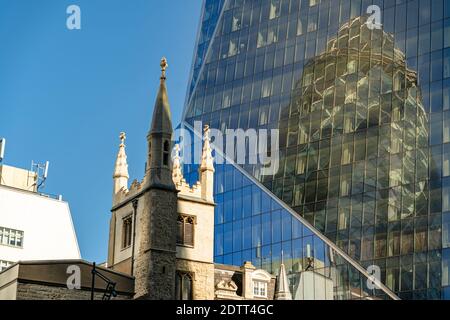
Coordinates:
[65,95]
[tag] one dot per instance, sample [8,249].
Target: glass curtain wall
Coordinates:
[364,122]
[209,18]
[250,225]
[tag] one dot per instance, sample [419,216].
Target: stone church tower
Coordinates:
[162,229]
[156,258]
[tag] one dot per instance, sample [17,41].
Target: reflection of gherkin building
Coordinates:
[357,158]
[358,127]
[358,161]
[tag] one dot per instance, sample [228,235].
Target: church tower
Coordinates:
[155,263]
[162,228]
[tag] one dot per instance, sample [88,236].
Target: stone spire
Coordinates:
[159,138]
[121,175]
[207,159]
[282,291]
[161,121]
[156,262]
[207,168]
[177,175]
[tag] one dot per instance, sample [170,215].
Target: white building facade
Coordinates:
[33,226]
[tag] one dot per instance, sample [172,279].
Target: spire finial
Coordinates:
[206,169]
[207,159]
[122,137]
[164,65]
[177,175]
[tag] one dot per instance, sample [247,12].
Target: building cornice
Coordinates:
[152,186]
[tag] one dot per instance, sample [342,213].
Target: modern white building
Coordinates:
[33,226]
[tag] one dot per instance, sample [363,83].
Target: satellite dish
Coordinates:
[2,148]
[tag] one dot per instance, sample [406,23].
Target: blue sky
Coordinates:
[65,95]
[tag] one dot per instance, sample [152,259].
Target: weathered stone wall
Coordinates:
[203,278]
[30,291]
[156,259]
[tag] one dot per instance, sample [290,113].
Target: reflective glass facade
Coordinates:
[364,122]
[251,225]
[210,17]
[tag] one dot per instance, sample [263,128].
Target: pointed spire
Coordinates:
[207,158]
[282,291]
[177,175]
[161,121]
[206,169]
[159,138]
[121,175]
[121,167]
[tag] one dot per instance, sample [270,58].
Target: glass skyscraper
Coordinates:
[363,115]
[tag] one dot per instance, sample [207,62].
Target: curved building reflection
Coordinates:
[356,164]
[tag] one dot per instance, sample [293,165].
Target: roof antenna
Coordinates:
[41,171]
[2,148]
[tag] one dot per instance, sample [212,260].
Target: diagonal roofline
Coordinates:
[189,97]
[302,220]
[194,55]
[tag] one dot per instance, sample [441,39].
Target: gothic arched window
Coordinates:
[185,230]
[183,286]
[127,226]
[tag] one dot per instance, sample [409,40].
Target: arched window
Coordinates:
[183,286]
[166,153]
[127,226]
[185,230]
